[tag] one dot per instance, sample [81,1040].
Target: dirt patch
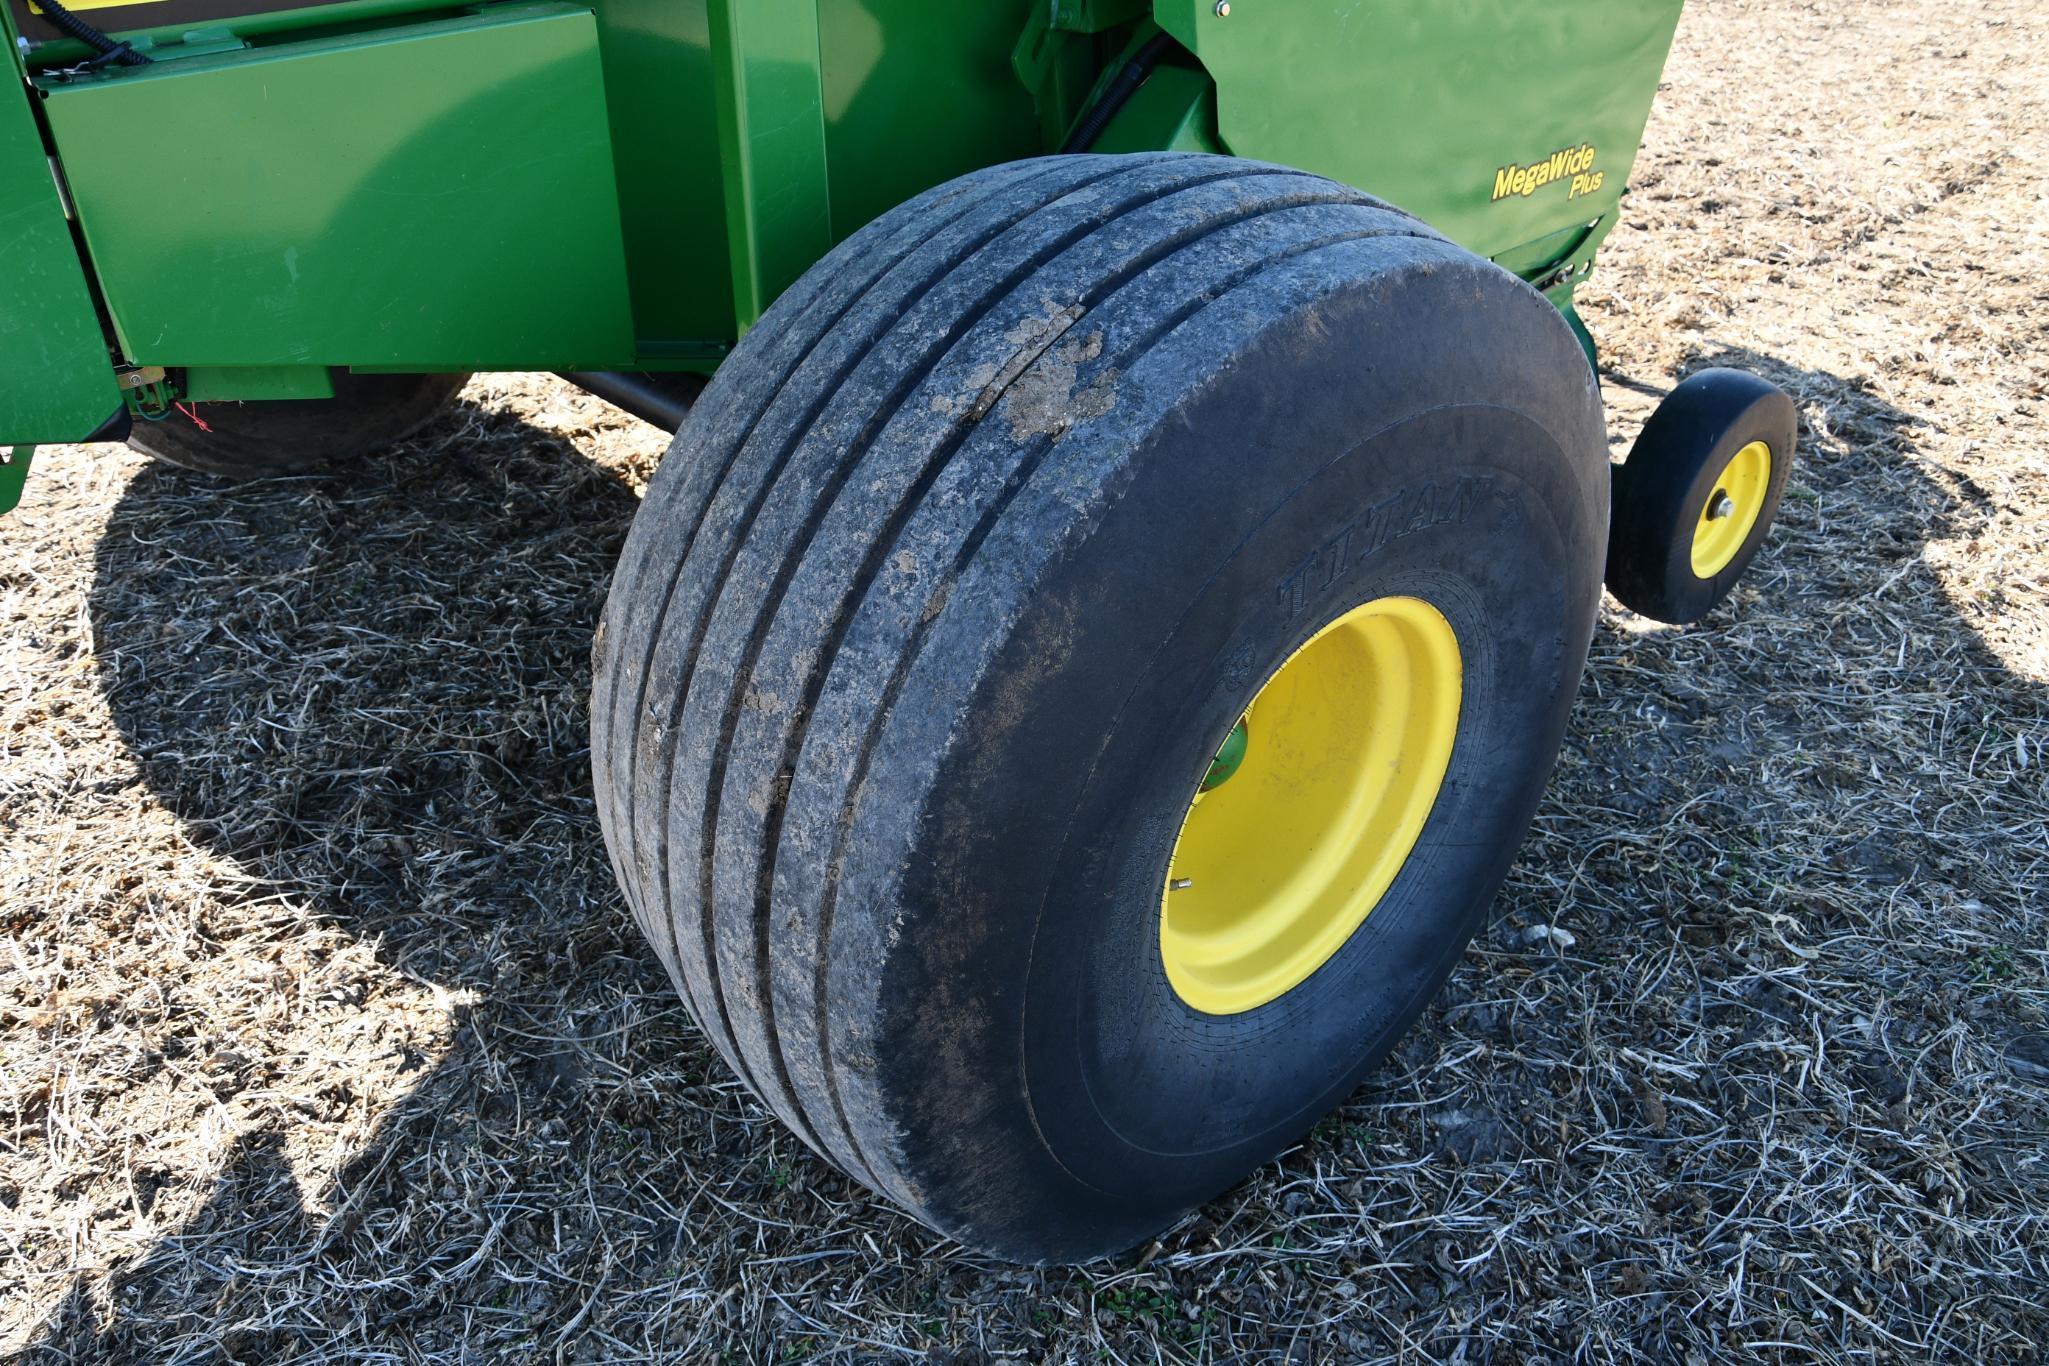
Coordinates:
[326,1034]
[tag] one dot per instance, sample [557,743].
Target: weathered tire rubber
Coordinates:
[964,565]
[294,435]
[1667,480]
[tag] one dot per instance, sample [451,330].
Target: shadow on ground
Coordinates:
[369,693]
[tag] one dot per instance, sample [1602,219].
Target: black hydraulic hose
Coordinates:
[1119,90]
[109,50]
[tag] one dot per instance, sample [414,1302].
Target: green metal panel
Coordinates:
[658,89]
[665,146]
[833,111]
[207,383]
[436,195]
[1442,106]
[771,144]
[58,381]
[916,92]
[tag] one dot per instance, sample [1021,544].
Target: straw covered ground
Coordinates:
[327,1037]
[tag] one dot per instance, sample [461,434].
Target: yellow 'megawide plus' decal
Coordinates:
[1575,164]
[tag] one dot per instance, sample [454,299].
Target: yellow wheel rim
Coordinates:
[1343,752]
[1732,509]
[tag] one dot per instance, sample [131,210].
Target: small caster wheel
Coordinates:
[1698,493]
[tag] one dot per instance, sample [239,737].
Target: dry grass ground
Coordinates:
[327,1037]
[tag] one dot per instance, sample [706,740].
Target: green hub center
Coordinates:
[1230,755]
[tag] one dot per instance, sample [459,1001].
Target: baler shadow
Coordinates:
[369,692]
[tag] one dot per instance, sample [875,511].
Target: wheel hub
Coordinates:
[1732,509]
[1311,806]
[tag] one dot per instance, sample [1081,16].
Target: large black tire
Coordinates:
[965,564]
[294,435]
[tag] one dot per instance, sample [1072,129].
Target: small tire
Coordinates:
[944,602]
[270,437]
[1667,558]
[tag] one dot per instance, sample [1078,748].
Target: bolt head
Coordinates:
[1720,506]
[1223,9]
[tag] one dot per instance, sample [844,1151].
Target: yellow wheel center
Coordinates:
[1344,750]
[1732,509]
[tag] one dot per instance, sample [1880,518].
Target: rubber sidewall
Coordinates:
[1059,1097]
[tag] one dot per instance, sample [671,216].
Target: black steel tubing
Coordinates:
[662,402]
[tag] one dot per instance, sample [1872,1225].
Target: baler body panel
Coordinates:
[56,379]
[831,111]
[916,93]
[400,185]
[1452,109]
[437,196]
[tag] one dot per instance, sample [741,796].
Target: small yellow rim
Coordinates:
[1732,509]
[1346,748]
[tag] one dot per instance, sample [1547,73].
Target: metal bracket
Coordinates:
[14,463]
[146,391]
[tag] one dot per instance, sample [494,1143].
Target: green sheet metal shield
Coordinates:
[432,196]
[1498,122]
[56,380]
